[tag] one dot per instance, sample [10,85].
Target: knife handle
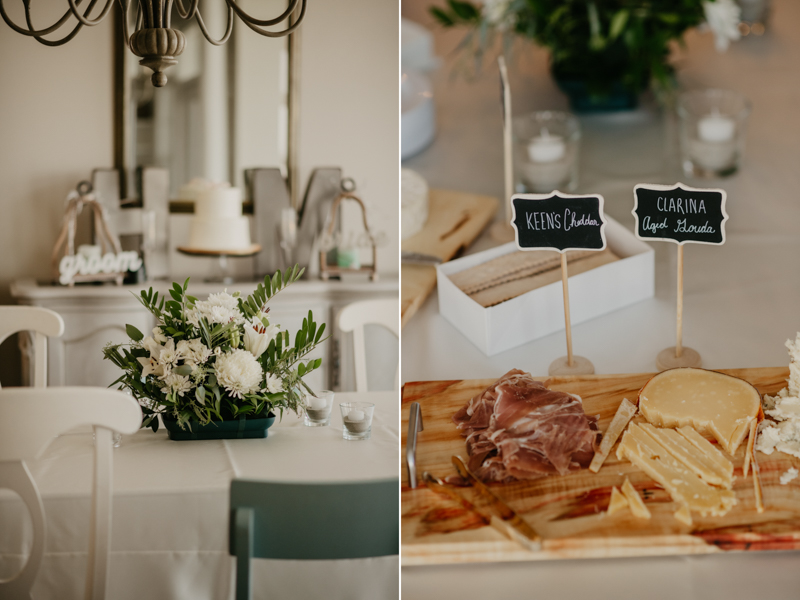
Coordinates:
[414,426]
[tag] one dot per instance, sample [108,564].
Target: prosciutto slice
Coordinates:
[518,429]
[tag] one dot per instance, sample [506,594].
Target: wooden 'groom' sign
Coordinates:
[560,222]
[679,214]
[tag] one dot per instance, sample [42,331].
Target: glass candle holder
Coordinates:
[318,409]
[712,127]
[546,145]
[357,419]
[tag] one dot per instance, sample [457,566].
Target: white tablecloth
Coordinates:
[170,511]
[742,300]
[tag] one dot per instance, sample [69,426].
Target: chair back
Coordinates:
[354,316]
[30,418]
[43,323]
[311,521]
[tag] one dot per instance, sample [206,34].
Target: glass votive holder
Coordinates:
[357,419]
[318,409]
[712,127]
[546,145]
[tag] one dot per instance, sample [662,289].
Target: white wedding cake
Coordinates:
[218,223]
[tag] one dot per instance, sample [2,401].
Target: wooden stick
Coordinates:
[679,344]
[507,146]
[565,286]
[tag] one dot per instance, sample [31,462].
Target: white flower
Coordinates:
[238,372]
[158,335]
[274,384]
[723,18]
[152,346]
[497,14]
[257,336]
[168,357]
[150,366]
[219,308]
[193,351]
[176,383]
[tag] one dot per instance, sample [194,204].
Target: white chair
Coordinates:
[30,418]
[43,323]
[354,316]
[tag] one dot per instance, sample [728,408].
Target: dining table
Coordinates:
[170,510]
[741,299]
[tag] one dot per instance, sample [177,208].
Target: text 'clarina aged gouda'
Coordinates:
[715,404]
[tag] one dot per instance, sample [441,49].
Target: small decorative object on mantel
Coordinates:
[105,262]
[347,247]
[603,54]
[560,222]
[217,368]
[679,214]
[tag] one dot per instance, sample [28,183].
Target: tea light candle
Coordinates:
[546,148]
[355,415]
[315,403]
[716,128]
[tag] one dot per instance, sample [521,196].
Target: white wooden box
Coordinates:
[540,312]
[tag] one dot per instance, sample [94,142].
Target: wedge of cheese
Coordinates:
[680,481]
[715,404]
[618,501]
[638,508]
[706,448]
[684,515]
[624,414]
[698,461]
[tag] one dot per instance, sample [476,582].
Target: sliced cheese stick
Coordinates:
[621,419]
[635,501]
[707,448]
[749,452]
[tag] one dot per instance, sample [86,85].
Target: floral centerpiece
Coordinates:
[217,360]
[603,53]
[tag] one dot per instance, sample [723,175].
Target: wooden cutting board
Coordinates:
[568,512]
[455,219]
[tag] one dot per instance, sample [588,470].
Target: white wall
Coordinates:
[56,125]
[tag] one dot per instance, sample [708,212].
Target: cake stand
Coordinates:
[225,276]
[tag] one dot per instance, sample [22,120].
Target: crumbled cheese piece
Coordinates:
[781,431]
[618,501]
[788,476]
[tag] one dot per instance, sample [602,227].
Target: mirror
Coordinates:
[224,108]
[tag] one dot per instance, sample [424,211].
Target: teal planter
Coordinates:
[581,100]
[220,430]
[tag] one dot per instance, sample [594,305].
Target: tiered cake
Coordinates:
[218,223]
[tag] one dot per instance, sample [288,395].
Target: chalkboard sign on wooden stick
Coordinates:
[682,215]
[500,231]
[560,222]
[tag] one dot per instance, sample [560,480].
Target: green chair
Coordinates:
[311,521]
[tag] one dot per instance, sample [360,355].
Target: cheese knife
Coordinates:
[516,527]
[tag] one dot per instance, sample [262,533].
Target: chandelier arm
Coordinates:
[66,38]
[277,34]
[263,22]
[158,14]
[31,32]
[168,15]
[191,12]
[89,22]
[208,37]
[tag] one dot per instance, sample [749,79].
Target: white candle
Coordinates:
[716,128]
[546,148]
[315,403]
[355,415]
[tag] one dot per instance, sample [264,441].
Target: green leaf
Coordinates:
[618,22]
[464,10]
[441,16]
[200,394]
[183,370]
[320,331]
[134,333]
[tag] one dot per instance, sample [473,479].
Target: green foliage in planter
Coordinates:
[218,359]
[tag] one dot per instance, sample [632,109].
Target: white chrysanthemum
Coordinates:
[274,384]
[168,356]
[176,383]
[723,18]
[193,351]
[238,372]
[219,308]
[158,335]
[497,15]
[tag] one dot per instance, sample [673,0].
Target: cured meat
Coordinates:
[518,429]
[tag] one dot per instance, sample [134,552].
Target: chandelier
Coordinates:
[153,38]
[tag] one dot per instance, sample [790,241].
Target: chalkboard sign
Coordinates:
[678,213]
[558,221]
